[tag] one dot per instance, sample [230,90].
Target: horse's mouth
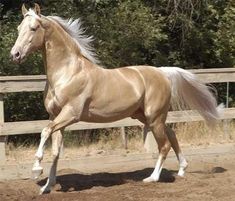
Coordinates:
[19,60]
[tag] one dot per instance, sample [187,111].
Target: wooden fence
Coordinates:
[12,84]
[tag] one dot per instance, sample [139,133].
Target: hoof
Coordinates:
[181,172]
[149,180]
[182,169]
[36,172]
[44,191]
[53,183]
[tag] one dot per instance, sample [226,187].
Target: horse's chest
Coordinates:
[54,102]
[52,107]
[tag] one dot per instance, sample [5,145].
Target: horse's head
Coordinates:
[30,34]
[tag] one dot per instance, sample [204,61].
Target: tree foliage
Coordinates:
[189,34]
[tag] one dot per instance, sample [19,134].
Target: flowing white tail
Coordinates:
[188,91]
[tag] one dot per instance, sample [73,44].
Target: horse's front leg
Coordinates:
[37,168]
[56,148]
[66,117]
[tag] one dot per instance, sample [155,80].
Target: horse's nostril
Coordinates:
[17,55]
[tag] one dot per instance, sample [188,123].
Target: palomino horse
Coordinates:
[78,89]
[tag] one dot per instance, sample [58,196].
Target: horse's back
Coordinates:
[147,81]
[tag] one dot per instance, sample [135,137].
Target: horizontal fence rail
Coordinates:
[24,127]
[29,83]
[12,84]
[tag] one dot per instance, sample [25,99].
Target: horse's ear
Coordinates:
[24,10]
[37,9]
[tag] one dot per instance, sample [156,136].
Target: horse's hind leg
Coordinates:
[159,130]
[175,145]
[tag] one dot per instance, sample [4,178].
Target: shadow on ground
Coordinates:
[78,181]
[213,170]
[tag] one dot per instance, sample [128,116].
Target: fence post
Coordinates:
[226,121]
[2,138]
[150,143]
[124,137]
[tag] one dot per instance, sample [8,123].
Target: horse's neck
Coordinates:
[59,54]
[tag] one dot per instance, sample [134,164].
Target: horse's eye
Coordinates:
[33,29]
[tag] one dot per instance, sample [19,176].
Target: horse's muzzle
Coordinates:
[16,56]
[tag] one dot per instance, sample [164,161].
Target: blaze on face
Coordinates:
[30,34]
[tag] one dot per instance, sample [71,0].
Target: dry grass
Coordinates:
[197,133]
[109,141]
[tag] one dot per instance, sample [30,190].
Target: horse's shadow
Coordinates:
[78,182]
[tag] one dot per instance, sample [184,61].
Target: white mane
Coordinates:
[75,30]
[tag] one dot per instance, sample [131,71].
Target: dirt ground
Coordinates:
[210,176]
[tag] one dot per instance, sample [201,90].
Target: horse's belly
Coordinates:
[96,118]
[108,113]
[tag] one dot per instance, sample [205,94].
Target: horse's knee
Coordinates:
[56,143]
[56,148]
[55,153]
[46,132]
